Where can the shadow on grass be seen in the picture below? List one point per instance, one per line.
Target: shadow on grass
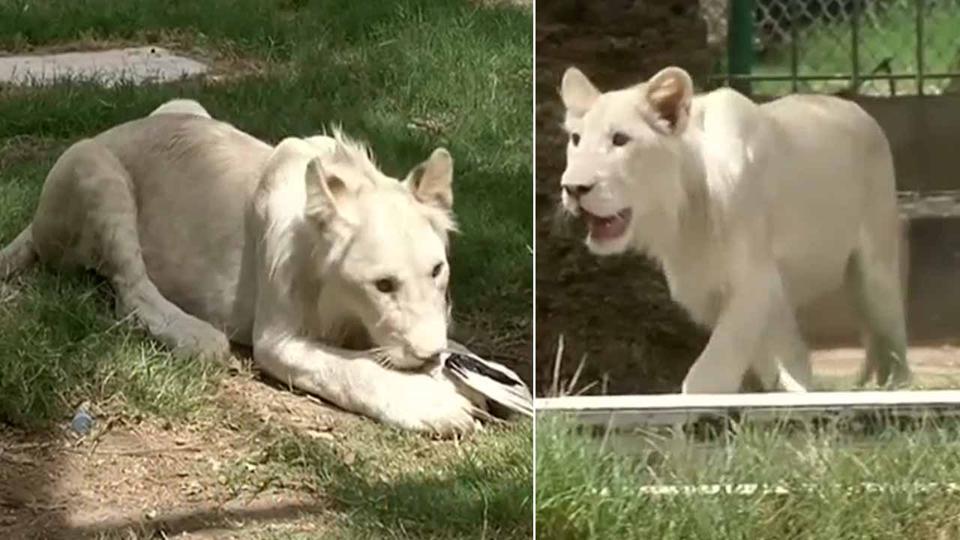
(484, 490)
(400, 507)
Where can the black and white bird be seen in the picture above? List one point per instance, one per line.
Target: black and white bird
(505, 392)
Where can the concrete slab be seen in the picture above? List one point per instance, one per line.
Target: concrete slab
(136, 65)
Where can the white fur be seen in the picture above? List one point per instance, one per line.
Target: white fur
(181, 106)
(752, 210)
(230, 239)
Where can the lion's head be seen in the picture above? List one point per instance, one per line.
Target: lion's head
(624, 158)
(382, 254)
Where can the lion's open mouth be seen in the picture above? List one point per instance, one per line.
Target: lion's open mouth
(608, 227)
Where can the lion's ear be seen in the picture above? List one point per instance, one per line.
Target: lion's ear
(577, 92)
(669, 94)
(325, 192)
(431, 182)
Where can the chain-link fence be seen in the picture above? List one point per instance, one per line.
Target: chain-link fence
(871, 47)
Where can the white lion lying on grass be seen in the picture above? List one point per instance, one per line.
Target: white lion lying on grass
(335, 273)
(752, 210)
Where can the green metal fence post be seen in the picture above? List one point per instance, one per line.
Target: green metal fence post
(740, 44)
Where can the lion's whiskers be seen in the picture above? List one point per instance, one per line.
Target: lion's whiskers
(382, 356)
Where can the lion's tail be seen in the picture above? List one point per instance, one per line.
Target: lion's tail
(18, 255)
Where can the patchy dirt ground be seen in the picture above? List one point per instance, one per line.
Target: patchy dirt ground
(136, 476)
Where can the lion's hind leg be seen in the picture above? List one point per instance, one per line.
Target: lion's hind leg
(87, 217)
(18, 255)
(873, 276)
(875, 287)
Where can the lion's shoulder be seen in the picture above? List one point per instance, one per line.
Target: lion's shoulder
(727, 113)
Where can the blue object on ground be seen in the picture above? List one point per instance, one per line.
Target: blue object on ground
(82, 422)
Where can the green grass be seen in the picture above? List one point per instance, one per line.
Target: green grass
(824, 49)
(405, 76)
(588, 488)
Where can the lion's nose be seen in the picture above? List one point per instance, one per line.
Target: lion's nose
(433, 358)
(577, 190)
(428, 354)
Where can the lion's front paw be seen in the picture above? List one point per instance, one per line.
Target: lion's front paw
(202, 340)
(430, 403)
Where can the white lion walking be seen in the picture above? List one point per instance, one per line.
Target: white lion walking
(752, 211)
(335, 273)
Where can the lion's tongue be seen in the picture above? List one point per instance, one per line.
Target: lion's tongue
(606, 228)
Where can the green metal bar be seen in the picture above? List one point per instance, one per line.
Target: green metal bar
(794, 46)
(920, 76)
(740, 43)
(855, 46)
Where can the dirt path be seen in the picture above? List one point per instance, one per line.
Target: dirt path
(933, 366)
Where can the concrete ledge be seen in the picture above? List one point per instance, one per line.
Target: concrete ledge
(134, 65)
(636, 411)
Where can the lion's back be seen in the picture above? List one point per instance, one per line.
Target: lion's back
(193, 178)
(832, 178)
(819, 118)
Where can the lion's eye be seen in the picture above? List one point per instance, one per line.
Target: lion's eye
(575, 138)
(436, 270)
(620, 139)
(386, 285)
